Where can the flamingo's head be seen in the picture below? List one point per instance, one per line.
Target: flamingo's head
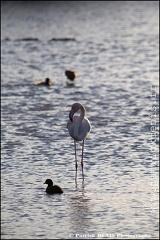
(74, 109)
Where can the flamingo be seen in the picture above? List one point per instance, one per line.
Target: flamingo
(78, 127)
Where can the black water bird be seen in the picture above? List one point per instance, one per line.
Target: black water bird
(47, 82)
(70, 75)
(52, 189)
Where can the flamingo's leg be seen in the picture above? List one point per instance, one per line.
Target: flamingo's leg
(76, 164)
(82, 159)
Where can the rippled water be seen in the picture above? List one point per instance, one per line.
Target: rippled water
(113, 46)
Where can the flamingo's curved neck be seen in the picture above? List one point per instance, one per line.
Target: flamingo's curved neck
(81, 114)
(78, 123)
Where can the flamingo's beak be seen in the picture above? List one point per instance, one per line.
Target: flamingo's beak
(71, 115)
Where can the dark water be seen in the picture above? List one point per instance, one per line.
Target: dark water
(113, 46)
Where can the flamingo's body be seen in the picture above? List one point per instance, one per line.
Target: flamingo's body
(78, 127)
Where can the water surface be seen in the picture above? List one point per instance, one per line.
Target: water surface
(113, 46)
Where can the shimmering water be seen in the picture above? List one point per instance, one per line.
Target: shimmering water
(113, 46)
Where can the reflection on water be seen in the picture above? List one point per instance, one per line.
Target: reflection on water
(113, 48)
(80, 212)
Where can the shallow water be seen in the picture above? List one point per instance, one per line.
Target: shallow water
(113, 46)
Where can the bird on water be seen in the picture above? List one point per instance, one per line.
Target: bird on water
(70, 77)
(52, 189)
(78, 127)
(47, 82)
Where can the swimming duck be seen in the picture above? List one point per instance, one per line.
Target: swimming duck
(70, 76)
(47, 82)
(52, 189)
